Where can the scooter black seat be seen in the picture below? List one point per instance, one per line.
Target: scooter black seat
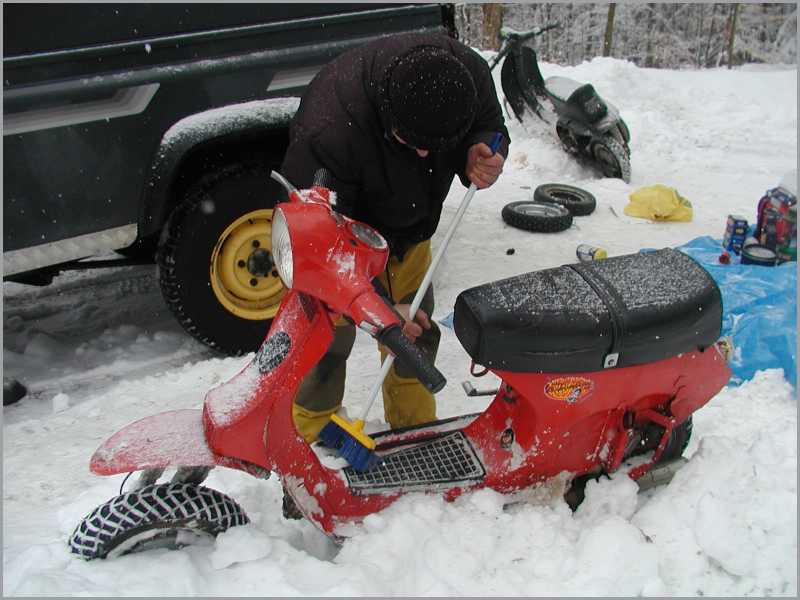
(618, 312)
(562, 87)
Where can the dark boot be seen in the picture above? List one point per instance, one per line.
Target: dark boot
(13, 391)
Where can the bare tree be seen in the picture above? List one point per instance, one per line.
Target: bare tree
(660, 35)
(732, 33)
(492, 22)
(651, 18)
(609, 36)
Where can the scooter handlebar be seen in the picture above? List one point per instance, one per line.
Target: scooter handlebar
(412, 357)
(522, 36)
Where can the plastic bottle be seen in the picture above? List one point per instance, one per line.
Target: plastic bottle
(787, 249)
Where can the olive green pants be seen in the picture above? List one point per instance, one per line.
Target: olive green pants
(405, 400)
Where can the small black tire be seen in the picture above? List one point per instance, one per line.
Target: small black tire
(612, 158)
(154, 516)
(198, 254)
(577, 201)
(677, 442)
(13, 391)
(537, 216)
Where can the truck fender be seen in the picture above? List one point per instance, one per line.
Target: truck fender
(189, 132)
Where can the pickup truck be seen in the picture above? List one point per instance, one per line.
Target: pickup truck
(147, 132)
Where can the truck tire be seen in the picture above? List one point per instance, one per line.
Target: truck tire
(577, 201)
(537, 216)
(214, 258)
(154, 517)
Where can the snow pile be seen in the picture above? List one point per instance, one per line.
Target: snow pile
(725, 526)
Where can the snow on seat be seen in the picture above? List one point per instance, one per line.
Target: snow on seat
(635, 308)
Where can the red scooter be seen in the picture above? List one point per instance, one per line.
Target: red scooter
(601, 365)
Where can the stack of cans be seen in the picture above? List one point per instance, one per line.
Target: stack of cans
(735, 233)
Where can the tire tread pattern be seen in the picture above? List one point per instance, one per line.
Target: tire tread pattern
(172, 237)
(622, 156)
(155, 507)
(536, 223)
(678, 441)
(576, 200)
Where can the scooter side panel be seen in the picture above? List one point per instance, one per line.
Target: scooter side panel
(546, 423)
(237, 413)
(525, 440)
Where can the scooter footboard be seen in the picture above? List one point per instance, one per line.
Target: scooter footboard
(173, 438)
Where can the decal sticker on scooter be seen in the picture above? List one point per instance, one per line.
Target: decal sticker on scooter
(273, 351)
(569, 389)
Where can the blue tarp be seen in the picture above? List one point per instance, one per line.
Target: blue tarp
(759, 310)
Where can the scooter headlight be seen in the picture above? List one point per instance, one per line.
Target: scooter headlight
(282, 248)
(595, 108)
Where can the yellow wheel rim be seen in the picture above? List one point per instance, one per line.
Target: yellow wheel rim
(242, 272)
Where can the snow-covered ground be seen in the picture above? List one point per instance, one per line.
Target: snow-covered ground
(99, 350)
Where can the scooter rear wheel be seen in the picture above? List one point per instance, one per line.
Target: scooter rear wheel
(677, 442)
(537, 216)
(577, 201)
(157, 516)
(612, 158)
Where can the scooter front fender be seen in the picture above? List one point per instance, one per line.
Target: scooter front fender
(172, 438)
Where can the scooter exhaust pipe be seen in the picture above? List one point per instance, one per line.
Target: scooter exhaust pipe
(660, 474)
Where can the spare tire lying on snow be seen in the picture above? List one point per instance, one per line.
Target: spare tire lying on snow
(537, 216)
(577, 201)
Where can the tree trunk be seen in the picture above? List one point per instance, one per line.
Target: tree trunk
(650, 60)
(705, 61)
(492, 22)
(608, 38)
(732, 34)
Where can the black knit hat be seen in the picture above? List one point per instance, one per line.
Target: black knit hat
(429, 98)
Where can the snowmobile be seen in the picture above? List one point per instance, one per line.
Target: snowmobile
(589, 126)
(600, 364)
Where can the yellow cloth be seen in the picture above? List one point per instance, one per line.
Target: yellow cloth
(659, 203)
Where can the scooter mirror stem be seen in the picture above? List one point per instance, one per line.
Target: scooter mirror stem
(283, 181)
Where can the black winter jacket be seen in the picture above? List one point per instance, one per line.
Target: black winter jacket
(376, 179)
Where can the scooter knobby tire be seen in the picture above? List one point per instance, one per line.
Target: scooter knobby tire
(537, 216)
(211, 222)
(678, 441)
(674, 448)
(153, 517)
(577, 201)
(612, 158)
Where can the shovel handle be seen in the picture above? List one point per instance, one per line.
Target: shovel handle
(498, 137)
(426, 281)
